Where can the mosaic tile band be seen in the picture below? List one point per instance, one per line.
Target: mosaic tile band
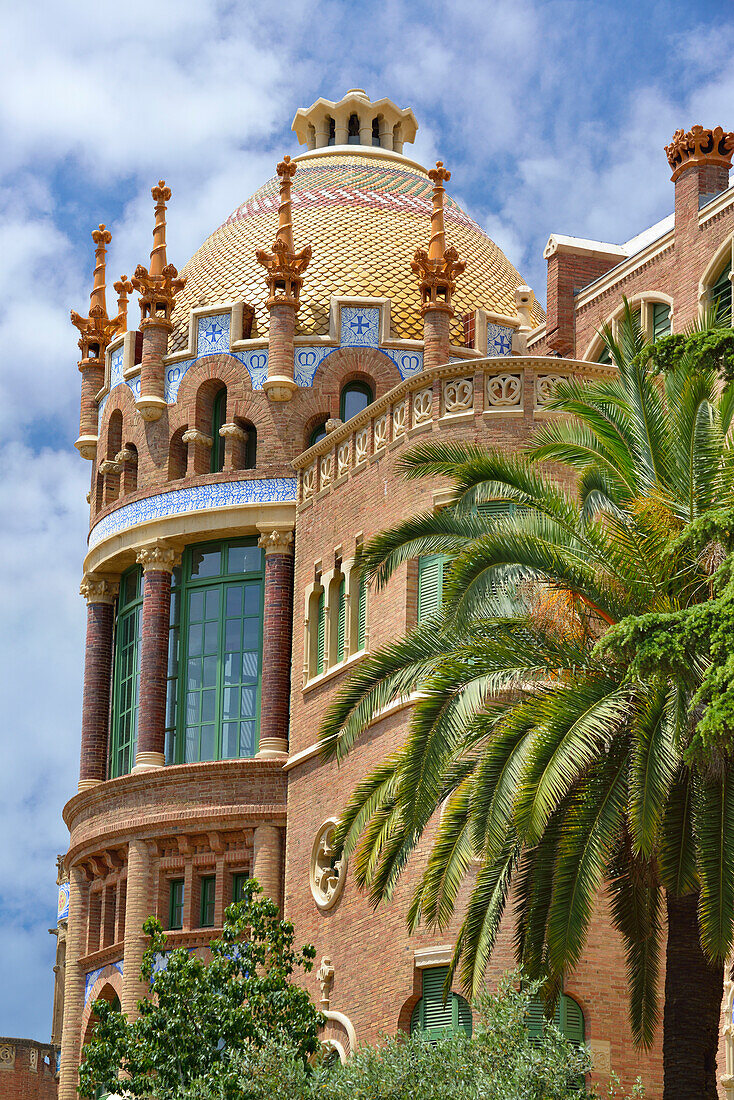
(195, 498)
(92, 976)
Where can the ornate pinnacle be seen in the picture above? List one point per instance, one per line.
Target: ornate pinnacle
(284, 265)
(97, 329)
(122, 288)
(439, 266)
(699, 146)
(159, 285)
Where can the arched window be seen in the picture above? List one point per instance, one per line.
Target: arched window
(353, 131)
(720, 294)
(219, 418)
(177, 456)
(251, 447)
(317, 434)
(376, 131)
(332, 132)
(568, 1018)
(355, 397)
(126, 689)
(432, 1016)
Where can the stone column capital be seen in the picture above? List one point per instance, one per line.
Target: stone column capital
(233, 431)
(158, 556)
(276, 542)
(193, 435)
(98, 588)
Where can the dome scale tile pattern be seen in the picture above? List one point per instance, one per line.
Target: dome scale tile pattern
(364, 217)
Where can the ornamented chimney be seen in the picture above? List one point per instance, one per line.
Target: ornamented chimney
(122, 288)
(158, 287)
(437, 269)
(284, 278)
(96, 332)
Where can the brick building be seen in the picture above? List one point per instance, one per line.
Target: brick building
(242, 442)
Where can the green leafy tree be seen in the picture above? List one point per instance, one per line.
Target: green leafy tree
(201, 1011)
(563, 765)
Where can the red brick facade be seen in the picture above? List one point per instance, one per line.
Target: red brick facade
(27, 1070)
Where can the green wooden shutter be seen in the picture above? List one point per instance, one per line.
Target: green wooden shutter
(493, 508)
(321, 633)
(341, 621)
(434, 1017)
(535, 1019)
(430, 585)
(570, 1019)
(721, 295)
(362, 613)
(660, 320)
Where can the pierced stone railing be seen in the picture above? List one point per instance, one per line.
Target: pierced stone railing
(453, 393)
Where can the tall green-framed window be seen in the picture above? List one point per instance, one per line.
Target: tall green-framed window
(174, 645)
(660, 320)
(568, 1018)
(362, 613)
(604, 356)
(355, 397)
(341, 619)
(207, 885)
(432, 1016)
(431, 569)
(320, 633)
(126, 690)
(219, 416)
(220, 652)
(720, 295)
(175, 903)
(238, 885)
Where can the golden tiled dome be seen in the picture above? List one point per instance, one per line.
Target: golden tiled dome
(364, 215)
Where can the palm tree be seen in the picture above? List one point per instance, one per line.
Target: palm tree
(560, 769)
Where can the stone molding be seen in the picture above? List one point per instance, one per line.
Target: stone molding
(193, 435)
(433, 956)
(158, 556)
(97, 588)
(276, 542)
(326, 880)
(109, 466)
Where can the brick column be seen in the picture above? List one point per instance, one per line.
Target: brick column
(152, 402)
(235, 446)
(277, 640)
(71, 1038)
(100, 593)
(158, 562)
(279, 385)
(198, 452)
(138, 907)
(92, 372)
(436, 337)
(267, 861)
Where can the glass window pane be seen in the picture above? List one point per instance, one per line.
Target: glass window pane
(191, 751)
(208, 699)
(206, 751)
(211, 637)
(232, 634)
(234, 600)
(230, 706)
(232, 668)
(212, 603)
(247, 738)
(210, 672)
(251, 634)
(252, 599)
(192, 707)
(244, 559)
(250, 666)
(206, 563)
(230, 740)
(196, 607)
(193, 674)
(249, 702)
(195, 639)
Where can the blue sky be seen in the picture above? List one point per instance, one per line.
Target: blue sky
(551, 115)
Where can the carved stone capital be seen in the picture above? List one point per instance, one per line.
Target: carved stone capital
(126, 455)
(158, 556)
(109, 467)
(193, 435)
(233, 431)
(332, 424)
(97, 588)
(276, 542)
(86, 445)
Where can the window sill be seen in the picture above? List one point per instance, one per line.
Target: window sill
(330, 673)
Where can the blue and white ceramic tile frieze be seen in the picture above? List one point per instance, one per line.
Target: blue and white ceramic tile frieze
(360, 328)
(63, 910)
(93, 975)
(307, 362)
(212, 333)
(116, 360)
(499, 340)
(195, 498)
(256, 362)
(407, 362)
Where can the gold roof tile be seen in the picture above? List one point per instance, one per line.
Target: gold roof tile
(364, 217)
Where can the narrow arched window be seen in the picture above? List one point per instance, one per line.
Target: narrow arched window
(332, 132)
(433, 1016)
(219, 417)
(251, 447)
(353, 131)
(720, 296)
(317, 434)
(355, 397)
(375, 131)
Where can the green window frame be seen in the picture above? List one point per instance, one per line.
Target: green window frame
(320, 633)
(431, 572)
(354, 398)
(605, 356)
(720, 295)
(220, 652)
(362, 613)
(317, 434)
(567, 1016)
(175, 903)
(660, 320)
(341, 621)
(126, 673)
(238, 885)
(219, 414)
(433, 1017)
(207, 894)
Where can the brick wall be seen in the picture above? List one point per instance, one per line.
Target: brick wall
(27, 1070)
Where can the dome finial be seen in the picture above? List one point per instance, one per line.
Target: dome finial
(122, 287)
(159, 285)
(284, 265)
(357, 121)
(97, 329)
(439, 266)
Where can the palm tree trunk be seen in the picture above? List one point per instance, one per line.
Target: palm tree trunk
(694, 988)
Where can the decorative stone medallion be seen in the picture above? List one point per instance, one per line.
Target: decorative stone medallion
(326, 874)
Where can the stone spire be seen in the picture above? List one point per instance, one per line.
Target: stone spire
(159, 284)
(437, 270)
(284, 278)
(284, 265)
(122, 287)
(96, 331)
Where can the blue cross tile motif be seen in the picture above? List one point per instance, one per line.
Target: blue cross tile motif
(213, 334)
(499, 340)
(116, 368)
(360, 328)
(195, 498)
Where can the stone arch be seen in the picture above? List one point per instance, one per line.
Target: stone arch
(638, 300)
(114, 434)
(177, 455)
(355, 364)
(106, 987)
(408, 1006)
(724, 253)
(223, 368)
